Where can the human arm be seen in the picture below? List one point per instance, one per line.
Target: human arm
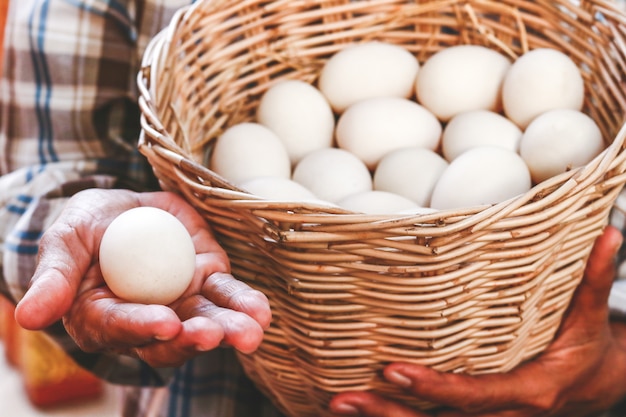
(581, 373)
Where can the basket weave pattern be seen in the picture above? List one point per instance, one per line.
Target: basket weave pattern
(474, 290)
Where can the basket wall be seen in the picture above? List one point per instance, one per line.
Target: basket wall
(474, 290)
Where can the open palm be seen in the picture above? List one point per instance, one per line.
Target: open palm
(216, 309)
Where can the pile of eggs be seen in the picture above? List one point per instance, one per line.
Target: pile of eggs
(380, 133)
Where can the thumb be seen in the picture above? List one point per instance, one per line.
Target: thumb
(63, 261)
(46, 301)
(591, 297)
(470, 393)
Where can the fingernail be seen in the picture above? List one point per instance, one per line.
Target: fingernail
(399, 379)
(346, 410)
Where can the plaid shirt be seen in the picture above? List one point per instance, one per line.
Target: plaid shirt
(69, 121)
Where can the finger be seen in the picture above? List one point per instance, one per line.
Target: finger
(98, 321)
(592, 294)
(225, 291)
(198, 335)
(588, 312)
(240, 330)
(368, 404)
(464, 392)
(63, 259)
(507, 413)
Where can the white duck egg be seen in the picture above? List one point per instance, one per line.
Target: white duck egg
(479, 176)
(377, 202)
(461, 78)
(277, 188)
(249, 150)
(332, 174)
(374, 127)
(367, 70)
(300, 116)
(410, 172)
(559, 140)
(478, 128)
(147, 256)
(540, 80)
(419, 210)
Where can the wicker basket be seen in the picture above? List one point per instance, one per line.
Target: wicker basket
(474, 290)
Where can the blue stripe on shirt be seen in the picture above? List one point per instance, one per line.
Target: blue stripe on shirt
(192, 381)
(33, 171)
(28, 242)
(15, 209)
(25, 198)
(43, 89)
(23, 248)
(28, 235)
(182, 390)
(115, 9)
(105, 8)
(20, 209)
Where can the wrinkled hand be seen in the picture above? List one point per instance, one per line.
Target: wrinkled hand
(582, 372)
(215, 310)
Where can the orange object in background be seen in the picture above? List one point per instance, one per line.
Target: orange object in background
(4, 6)
(9, 332)
(3, 325)
(50, 377)
(4, 303)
